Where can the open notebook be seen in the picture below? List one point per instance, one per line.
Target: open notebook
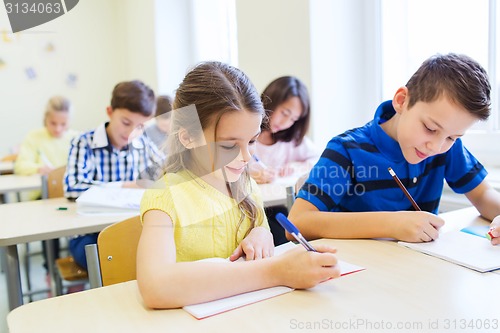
(207, 309)
(101, 200)
(462, 248)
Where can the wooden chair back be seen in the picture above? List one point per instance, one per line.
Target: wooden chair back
(53, 183)
(117, 247)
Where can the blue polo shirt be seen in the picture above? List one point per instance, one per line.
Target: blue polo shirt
(352, 175)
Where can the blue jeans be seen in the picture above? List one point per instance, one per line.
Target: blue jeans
(77, 248)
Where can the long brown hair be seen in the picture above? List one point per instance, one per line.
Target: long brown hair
(278, 92)
(214, 89)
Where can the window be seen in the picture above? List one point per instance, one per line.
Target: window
(413, 30)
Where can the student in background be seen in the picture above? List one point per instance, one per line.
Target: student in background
(108, 154)
(46, 148)
(283, 148)
(350, 193)
(159, 130)
(208, 205)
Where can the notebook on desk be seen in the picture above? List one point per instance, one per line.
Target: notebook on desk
(207, 309)
(99, 200)
(462, 248)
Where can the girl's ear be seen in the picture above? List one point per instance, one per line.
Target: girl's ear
(185, 139)
(400, 100)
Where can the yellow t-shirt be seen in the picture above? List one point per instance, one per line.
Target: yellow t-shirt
(205, 220)
(40, 148)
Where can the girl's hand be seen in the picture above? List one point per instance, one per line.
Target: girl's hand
(495, 231)
(287, 171)
(258, 244)
(417, 227)
(45, 170)
(263, 176)
(303, 269)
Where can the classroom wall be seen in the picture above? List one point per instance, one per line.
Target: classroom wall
(99, 43)
(328, 44)
(273, 40)
(344, 66)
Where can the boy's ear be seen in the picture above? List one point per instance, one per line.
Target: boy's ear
(186, 139)
(109, 111)
(400, 99)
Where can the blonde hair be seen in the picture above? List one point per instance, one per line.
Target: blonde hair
(214, 88)
(57, 104)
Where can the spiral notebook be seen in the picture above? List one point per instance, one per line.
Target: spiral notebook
(207, 309)
(463, 249)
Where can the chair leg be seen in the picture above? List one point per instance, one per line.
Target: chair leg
(27, 270)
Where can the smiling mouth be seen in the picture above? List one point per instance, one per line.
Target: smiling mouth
(236, 170)
(420, 154)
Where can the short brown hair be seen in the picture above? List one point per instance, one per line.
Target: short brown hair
(134, 96)
(458, 77)
(163, 105)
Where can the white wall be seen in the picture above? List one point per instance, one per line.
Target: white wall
(101, 41)
(328, 44)
(273, 40)
(343, 66)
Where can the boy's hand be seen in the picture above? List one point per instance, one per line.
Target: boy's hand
(303, 269)
(417, 227)
(257, 245)
(495, 231)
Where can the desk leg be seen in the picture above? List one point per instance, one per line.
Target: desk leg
(14, 288)
(55, 285)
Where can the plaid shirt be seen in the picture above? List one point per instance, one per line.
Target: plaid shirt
(93, 160)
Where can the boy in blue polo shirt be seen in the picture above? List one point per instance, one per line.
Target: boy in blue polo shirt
(350, 193)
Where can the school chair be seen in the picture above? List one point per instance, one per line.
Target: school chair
(113, 259)
(291, 191)
(66, 268)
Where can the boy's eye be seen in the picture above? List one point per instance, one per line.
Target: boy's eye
(252, 142)
(428, 129)
(452, 139)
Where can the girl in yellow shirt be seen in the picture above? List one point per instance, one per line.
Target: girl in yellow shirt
(46, 148)
(206, 205)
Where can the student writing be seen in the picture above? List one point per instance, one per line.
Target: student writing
(108, 154)
(206, 205)
(47, 148)
(283, 146)
(350, 193)
(159, 130)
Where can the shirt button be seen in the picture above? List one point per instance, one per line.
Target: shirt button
(414, 180)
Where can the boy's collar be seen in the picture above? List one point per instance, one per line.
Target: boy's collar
(101, 140)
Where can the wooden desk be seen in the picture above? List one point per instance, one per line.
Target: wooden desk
(398, 287)
(6, 168)
(15, 183)
(38, 220)
(274, 194)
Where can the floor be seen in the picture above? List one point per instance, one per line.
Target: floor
(38, 282)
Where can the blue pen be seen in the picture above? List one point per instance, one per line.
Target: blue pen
(291, 229)
(259, 161)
